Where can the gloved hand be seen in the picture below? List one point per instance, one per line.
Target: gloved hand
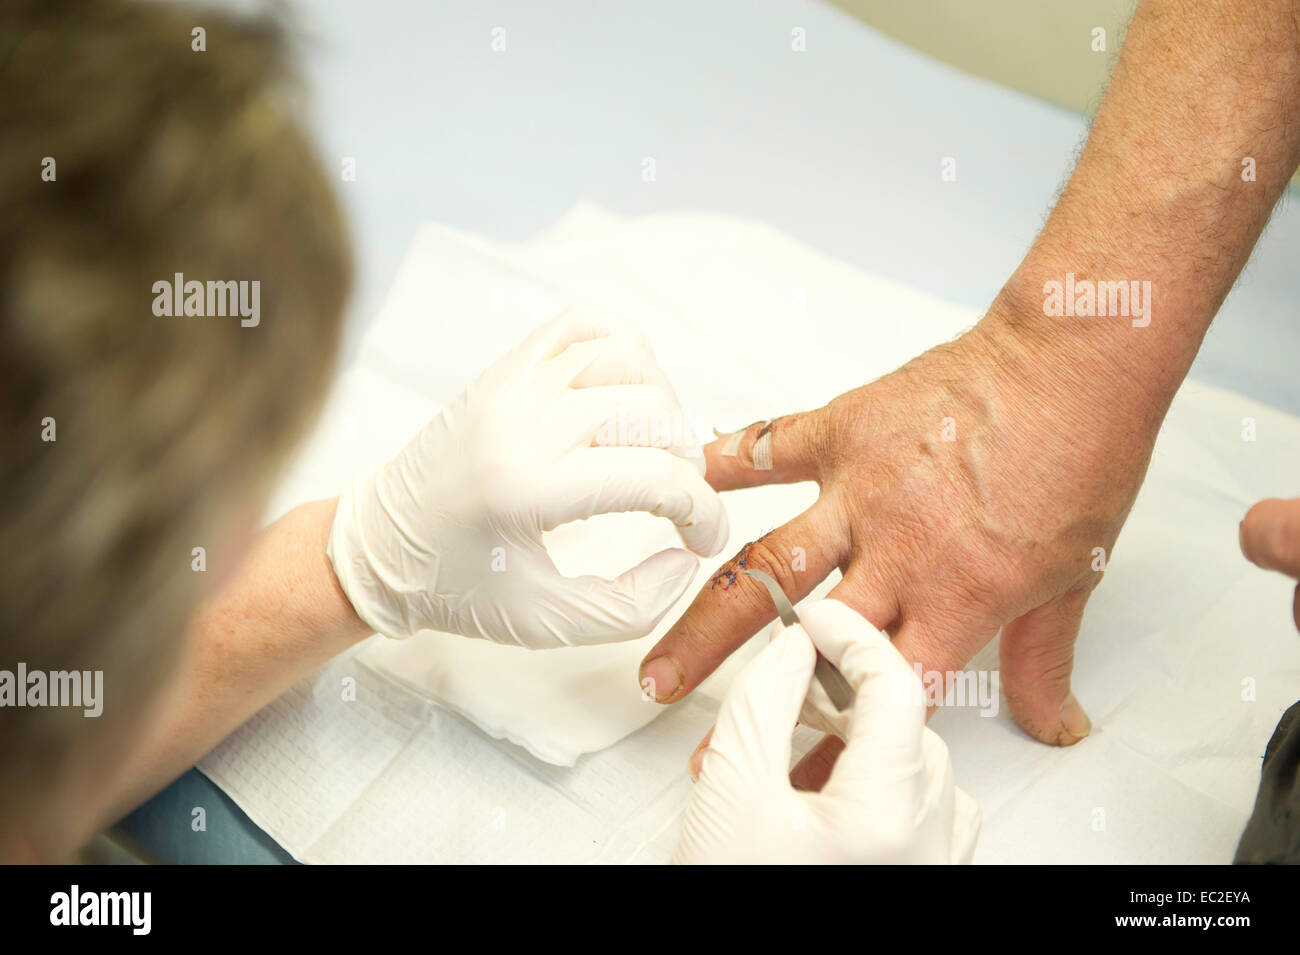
(890, 797)
(448, 535)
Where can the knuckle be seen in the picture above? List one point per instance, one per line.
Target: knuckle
(820, 438)
(972, 588)
(763, 555)
(730, 583)
(1051, 666)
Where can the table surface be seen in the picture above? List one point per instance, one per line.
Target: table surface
(839, 145)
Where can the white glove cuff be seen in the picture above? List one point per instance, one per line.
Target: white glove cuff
(355, 566)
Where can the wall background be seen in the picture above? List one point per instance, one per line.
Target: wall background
(1043, 48)
(1040, 47)
(838, 146)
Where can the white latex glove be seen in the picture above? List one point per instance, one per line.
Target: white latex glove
(890, 797)
(448, 535)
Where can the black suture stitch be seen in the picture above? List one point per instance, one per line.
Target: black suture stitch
(730, 572)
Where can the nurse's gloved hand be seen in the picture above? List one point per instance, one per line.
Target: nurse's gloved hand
(890, 797)
(448, 535)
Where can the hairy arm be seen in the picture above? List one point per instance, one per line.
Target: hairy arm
(280, 616)
(1194, 143)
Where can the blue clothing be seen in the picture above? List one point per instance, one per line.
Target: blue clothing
(163, 828)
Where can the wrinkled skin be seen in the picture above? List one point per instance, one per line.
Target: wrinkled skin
(960, 495)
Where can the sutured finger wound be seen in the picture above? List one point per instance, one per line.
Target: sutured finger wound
(757, 554)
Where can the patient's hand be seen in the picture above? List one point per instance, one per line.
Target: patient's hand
(1270, 537)
(1054, 414)
(966, 492)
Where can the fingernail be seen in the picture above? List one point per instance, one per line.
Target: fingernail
(661, 678)
(1073, 718)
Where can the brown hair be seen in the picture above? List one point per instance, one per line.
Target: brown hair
(128, 156)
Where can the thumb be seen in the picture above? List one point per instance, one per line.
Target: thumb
(752, 735)
(886, 724)
(1037, 656)
(592, 609)
(781, 451)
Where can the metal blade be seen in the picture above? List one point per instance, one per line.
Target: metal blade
(831, 679)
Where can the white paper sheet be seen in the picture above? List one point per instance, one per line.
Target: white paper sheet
(1186, 660)
(561, 704)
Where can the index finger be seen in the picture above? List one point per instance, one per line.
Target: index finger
(732, 607)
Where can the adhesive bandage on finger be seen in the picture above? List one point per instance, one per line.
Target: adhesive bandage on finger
(763, 449)
(762, 453)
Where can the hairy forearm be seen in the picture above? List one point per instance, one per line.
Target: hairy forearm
(1205, 93)
(280, 616)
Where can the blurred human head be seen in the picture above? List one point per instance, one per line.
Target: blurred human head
(142, 143)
